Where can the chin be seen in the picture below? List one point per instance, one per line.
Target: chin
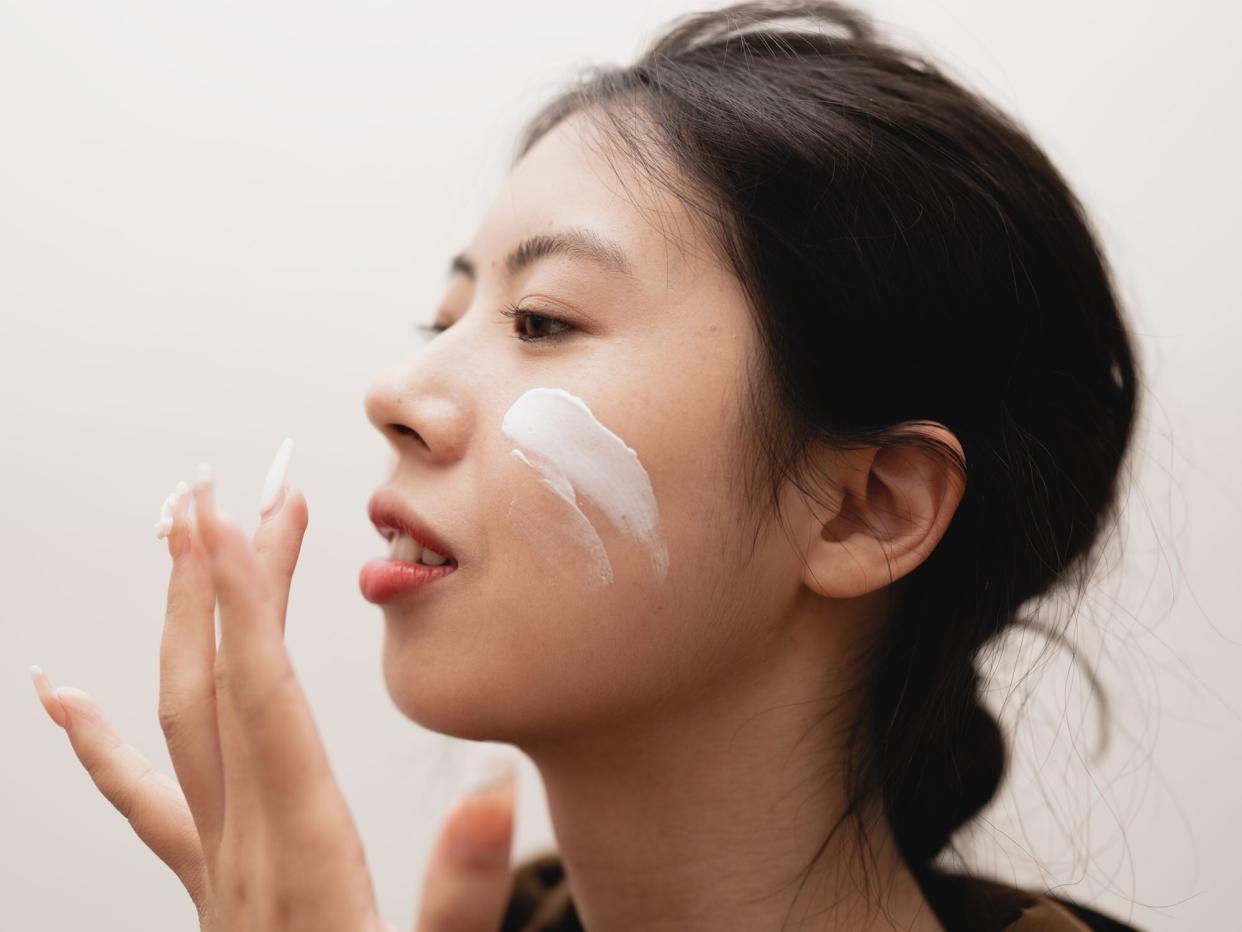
(454, 699)
(474, 704)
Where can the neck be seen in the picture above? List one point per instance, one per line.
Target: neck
(706, 815)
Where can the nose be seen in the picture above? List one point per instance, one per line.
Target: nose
(419, 419)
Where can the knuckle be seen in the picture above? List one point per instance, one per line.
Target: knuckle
(130, 803)
(171, 717)
(238, 891)
(176, 603)
(220, 676)
(284, 907)
(237, 899)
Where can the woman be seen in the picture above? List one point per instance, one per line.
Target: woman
(780, 375)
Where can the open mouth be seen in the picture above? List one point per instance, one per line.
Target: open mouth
(416, 556)
(402, 548)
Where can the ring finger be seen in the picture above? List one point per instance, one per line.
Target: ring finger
(187, 704)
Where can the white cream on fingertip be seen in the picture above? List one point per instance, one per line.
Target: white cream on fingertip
(163, 527)
(275, 475)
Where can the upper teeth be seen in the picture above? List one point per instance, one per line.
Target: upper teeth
(405, 549)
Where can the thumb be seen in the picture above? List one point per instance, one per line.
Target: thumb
(468, 882)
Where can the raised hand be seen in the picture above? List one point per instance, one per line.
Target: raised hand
(255, 826)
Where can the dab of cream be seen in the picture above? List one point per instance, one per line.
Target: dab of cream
(577, 455)
(163, 527)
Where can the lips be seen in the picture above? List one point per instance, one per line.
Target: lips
(390, 515)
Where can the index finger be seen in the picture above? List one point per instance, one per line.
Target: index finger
(187, 705)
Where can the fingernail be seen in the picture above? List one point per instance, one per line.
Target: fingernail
(488, 771)
(477, 838)
(51, 702)
(273, 495)
(202, 476)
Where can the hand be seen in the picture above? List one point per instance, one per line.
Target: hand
(255, 826)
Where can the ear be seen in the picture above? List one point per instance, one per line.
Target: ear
(895, 504)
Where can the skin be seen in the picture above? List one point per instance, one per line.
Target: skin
(255, 826)
(686, 728)
(662, 714)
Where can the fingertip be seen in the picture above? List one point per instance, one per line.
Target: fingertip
(73, 699)
(270, 505)
(274, 485)
(295, 501)
(204, 505)
(56, 710)
(180, 536)
(480, 829)
(490, 770)
(47, 696)
(203, 476)
(295, 511)
(164, 526)
(489, 796)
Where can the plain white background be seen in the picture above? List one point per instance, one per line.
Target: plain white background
(218, 223)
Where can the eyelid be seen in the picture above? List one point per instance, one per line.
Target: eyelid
(512, 312)
(518, 313)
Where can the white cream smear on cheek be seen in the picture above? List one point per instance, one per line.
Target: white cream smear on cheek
(528, 511)
(577, 455)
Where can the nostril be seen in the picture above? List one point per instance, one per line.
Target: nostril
(401, 431)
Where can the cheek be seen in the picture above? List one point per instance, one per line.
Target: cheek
(558, 535)
(574, 615)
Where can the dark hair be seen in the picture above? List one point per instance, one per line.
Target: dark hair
(868, 202)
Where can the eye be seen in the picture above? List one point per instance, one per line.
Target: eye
(525, 317)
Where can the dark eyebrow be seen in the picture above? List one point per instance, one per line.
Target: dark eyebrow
(576, 242)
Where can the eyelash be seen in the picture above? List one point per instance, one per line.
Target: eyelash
(513, 312)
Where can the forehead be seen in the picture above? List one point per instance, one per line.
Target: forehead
(573, 177)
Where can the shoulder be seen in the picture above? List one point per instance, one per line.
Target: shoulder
(1046, 914)
(966, 901)
(1047, 910)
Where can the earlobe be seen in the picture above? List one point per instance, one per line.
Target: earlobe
(895, 505)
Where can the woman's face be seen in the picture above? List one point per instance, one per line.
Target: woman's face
(588, 483)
